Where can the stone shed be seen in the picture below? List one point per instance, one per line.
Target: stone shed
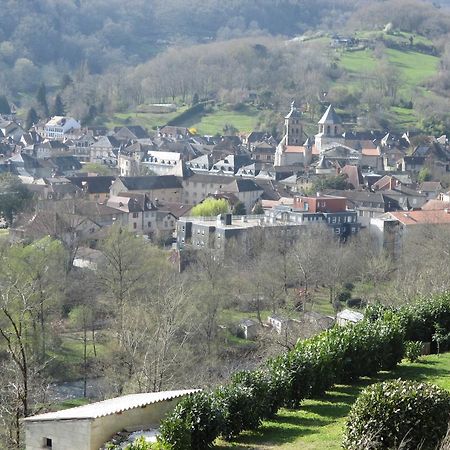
(88, 427)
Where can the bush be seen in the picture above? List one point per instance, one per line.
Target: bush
(397, 412)
(413, 350)
(236, 403)
(349, 286)
(355, 303)
(343, 296)
(266, 402)
(194, 423)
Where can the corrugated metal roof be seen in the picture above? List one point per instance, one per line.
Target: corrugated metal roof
(111, 406)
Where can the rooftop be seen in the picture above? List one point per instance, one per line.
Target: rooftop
(111, 406)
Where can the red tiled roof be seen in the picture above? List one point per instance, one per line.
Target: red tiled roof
(370, 151)
(436, 217)
(433, 205)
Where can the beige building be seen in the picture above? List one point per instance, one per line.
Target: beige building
(89, 427)
(165, 188)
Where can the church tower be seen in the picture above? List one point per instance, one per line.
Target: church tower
(330, 130)
(293, 128)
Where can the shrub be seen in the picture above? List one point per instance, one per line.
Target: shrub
(355, 303)
(265, 399)
(349, 286)
(194, 423)
(236, 403)
(413, 350)
(343, 296)
(396, 412)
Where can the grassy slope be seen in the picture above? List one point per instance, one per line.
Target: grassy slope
(146, 119)
(319, 423)
(414, 69)
(213, 123)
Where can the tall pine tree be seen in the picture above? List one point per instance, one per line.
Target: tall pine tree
(4, 105)
(41, 98)
(32, 118)
(58, 107)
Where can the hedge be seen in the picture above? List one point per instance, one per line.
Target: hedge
(340, 355)
(398, 414)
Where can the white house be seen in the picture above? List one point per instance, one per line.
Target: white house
(88, 427)
(59, 127)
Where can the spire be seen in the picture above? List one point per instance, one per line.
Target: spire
(330, 117)
(294, 112)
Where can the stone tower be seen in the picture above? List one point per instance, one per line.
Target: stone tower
(293, 128)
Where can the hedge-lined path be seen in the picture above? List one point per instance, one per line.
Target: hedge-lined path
(319, 423)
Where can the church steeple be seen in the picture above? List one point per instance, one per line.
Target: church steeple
(330, 124)
(330, 129)
(293, 128)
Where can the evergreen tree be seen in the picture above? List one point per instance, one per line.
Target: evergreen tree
(258, 209)
(66, 81)
(58, 107)
(41, 98)
(4, 105)
(239, 209)
(32, 118)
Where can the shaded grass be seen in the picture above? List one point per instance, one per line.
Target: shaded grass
(66, 362)
(319, 424)
(147, 120)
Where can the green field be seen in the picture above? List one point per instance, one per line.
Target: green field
(210, 123)
(319, 423)
(213, 123)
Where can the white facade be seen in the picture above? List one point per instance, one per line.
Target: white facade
(57, 127)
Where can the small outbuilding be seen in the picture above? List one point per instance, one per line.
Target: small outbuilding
(348, 317)
(88, 427)
(248, 328)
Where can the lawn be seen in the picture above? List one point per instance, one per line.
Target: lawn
(214, 122)
(319, 423)
(210, 123)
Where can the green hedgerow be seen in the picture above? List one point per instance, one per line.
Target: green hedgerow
(194, 423)
(387, 415)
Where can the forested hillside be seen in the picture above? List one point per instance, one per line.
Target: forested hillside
(108, 57)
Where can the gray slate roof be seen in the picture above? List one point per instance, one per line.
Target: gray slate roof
(330, 117)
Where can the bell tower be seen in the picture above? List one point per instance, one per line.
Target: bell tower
(293, 128)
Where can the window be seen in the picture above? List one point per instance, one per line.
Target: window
(135, 215)
(134, 225)
(48, 443)
(149, 224)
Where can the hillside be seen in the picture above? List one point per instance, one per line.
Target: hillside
(384, 77)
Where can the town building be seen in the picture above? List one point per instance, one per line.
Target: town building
(59, 127)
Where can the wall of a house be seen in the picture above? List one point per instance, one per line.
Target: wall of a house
(135, 419)
(65, 435)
